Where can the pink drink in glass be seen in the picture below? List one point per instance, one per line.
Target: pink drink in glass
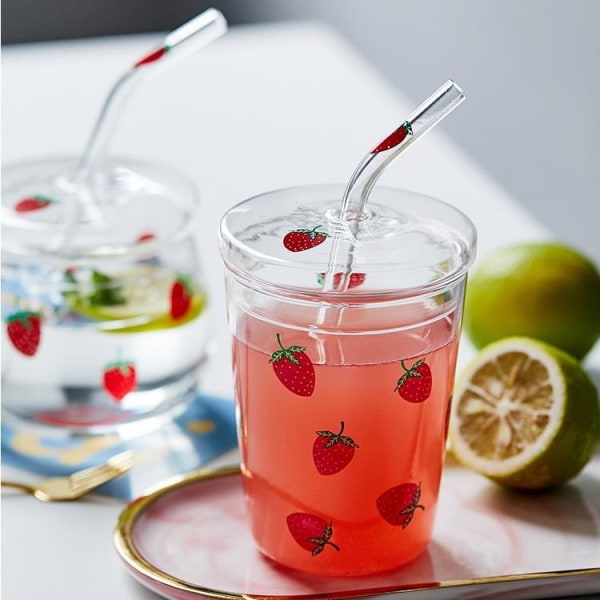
(343, 406)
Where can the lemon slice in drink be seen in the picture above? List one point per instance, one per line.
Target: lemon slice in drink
(141, 291)
(525, 414)
(138, 299)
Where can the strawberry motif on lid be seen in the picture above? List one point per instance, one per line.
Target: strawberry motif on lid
(146, 236)
(356, 279)
(32, 204)
(300, 240)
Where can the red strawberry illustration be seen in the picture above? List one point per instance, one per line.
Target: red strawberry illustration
(119, 378)
(398, 504)
(356, 279)
(294, 369)
(394, 138)
(333, 451)
(415, 383)
(181, 297)
(32, 203)
(152, 56)
(311, 532)
(147, 236)
(24, 331)
(304, 239)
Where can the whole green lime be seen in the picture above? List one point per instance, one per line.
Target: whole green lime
(546, 291)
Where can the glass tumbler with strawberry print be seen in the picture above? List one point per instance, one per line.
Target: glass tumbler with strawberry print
(104, 305)
(344, 395)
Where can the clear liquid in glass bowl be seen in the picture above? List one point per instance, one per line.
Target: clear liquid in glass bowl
(104, 307)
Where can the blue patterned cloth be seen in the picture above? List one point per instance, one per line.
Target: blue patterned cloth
(205, 431)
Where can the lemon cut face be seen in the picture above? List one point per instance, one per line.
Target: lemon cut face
(525, 414)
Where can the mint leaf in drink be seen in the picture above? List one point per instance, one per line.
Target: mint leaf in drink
(106, 292)
(70, 293)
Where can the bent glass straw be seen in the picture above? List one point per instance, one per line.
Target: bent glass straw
(186, 39)
(439, 105)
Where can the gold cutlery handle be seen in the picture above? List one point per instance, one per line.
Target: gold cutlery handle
(19, 486)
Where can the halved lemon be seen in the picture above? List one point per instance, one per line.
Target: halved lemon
(525, 414)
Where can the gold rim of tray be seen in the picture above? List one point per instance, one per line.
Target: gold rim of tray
(123, 539)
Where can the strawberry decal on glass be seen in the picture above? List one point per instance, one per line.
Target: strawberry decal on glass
(32, 204)
(395, 138)
(311, 532)
(356, 279)
(152, 56)
(332, 452)
(24, 330)
(294, 369)
(119, 378)
(304, 239)
(181, 297)
(147, 236)
(415, 383)
(398, 504)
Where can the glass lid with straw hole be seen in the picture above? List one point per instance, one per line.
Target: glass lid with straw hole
(123, 207)
(329, 239)
(95, 205)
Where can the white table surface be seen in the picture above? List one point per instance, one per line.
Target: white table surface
(264, 107)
